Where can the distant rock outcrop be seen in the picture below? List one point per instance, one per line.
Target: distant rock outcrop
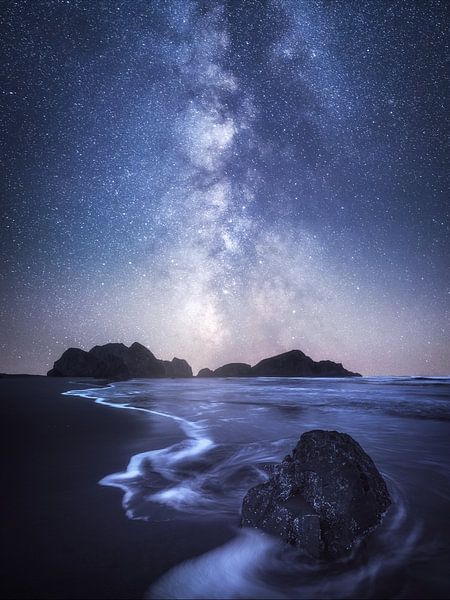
(205, 373)
(117, 361)
(322, 498)
(75, 363)
(177, 367)
(289, 364)
(297, 364)
(233, 370)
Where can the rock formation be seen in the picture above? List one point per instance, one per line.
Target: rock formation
(177, 367)
(205, 373)
(289, 364)
(116, 361)
(75, 362)
(233, 370)
(297, 364)
(322, 498)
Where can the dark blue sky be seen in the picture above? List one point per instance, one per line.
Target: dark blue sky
(226, 180)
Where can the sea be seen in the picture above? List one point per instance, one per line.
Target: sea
(215, 439)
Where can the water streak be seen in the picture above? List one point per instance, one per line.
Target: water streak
(232, 430)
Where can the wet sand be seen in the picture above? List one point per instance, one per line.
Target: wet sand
(65, 536)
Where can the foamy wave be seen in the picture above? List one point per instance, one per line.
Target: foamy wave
(194, 476)
(256, 565)
(234, 570)
(163, 461)
(208, 472)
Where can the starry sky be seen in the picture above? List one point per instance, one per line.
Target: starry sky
(224, 181)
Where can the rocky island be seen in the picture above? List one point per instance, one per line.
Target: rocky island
(117, 361)
(294, 363)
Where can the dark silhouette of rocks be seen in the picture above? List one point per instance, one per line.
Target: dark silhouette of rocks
(289, 364)
(117, 361)
(322, 498)
(75, 363)
(233, 370)
(177, 367)
(205, 373)
(297, 364)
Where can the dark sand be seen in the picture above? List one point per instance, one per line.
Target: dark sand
(65, 536)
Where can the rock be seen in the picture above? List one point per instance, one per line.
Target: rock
(289, 364)
(233, 370)
(143, 363)
(297, 364)
(322, 498)
(328, 368)
(205, 373)
(177, 367)
(111, 361)
(75, 363)
(116, 361)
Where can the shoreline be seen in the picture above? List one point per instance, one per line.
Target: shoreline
(64, 535)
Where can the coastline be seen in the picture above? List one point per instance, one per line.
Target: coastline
(66, 536)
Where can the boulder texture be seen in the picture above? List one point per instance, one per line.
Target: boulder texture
(117, 361)
(322, 498)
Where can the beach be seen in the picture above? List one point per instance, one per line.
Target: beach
(64, 535)
(133, 489)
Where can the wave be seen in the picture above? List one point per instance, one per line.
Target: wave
(256, 565)
(194, 476)
(228, 447)
(138, 474)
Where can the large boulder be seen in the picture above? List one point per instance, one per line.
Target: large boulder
(233, 370)
(296, 363)
(322, 498)
(177, 368)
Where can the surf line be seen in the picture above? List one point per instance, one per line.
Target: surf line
(161, 459)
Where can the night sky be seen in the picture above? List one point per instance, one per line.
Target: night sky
(224, 181)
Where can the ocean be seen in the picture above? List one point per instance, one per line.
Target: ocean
(215, 439)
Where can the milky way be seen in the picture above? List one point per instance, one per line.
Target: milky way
(226, 180)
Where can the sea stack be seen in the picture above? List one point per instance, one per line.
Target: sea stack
(177, 368)
(294, 363)
(117, 361)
